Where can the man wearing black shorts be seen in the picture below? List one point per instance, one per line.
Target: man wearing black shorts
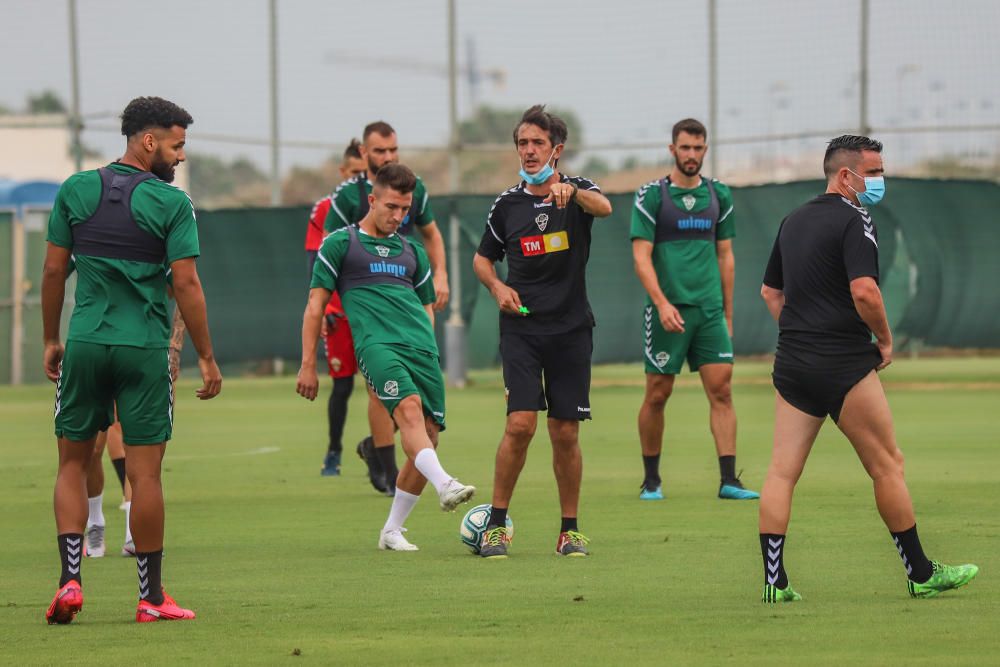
(821, 285)
(542, 226)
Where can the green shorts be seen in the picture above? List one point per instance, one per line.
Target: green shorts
(94, 378)
(705, 341)
(396, 371)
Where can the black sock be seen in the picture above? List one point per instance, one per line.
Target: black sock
(652, 466)
(727, 468)
(387, 457)
(70, 555)
(336, 411)
(568, 523)
(148, 564)
(119, 465)
(772, 548)
(498, 517)
(918, 568)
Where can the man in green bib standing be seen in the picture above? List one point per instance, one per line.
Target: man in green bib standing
(129, 235)
(682, 234)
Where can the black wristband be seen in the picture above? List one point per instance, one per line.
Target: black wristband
(576, 189)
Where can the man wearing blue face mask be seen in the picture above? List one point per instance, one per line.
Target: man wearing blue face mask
(542, 226)
(821, 286)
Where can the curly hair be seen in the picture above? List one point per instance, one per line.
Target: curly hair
(143, 113)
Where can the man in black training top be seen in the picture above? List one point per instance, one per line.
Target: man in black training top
(542, 226)
(821, 285)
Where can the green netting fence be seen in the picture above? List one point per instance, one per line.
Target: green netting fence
(938, 250)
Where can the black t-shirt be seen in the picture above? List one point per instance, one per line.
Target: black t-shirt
(547, 251)
(821, 247)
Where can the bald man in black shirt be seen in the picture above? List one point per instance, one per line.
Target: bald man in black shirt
(821, 286)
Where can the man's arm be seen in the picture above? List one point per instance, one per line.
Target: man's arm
(774, 299)
(868, 302)
(307, 384)
(53, 293)
(191, 304)
(176, 344)
(507, 298)
(642, 257)
(727, 271)
(591, 201)
(434, 244)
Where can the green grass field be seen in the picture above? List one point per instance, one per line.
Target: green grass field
(281, 564)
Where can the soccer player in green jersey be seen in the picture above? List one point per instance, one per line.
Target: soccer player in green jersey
(682, 244)
(129, 233)
(348, 205)
(387, 291)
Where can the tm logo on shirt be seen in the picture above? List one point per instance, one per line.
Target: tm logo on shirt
(544, 243)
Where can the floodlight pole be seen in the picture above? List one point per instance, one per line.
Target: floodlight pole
(713, 87)
(74, 121)
(863, 126)
(275, 170)
(454, 329)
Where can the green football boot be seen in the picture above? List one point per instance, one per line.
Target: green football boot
(774, 594)
(944, 578)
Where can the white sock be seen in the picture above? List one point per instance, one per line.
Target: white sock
(429, 466)
(128, 515)
(402, 505)
(96, 510)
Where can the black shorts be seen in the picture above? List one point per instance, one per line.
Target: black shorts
(819, 389)
(561, 361)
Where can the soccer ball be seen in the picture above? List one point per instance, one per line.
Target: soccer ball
(474, 525)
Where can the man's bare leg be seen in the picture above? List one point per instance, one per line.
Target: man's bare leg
(658, 390)
(567, 463)
(866, 420)
(409, 485)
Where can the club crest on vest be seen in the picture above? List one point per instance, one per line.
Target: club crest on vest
(688, 201)
(382, 251)
(391, 388)
(542, 220)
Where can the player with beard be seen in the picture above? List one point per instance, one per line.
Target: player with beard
(682, 244)
(348, 206)
(130, 234)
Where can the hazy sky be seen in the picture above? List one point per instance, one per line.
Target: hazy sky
(629, 69)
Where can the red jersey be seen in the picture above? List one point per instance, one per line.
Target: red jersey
(314, 232)
(314, 239)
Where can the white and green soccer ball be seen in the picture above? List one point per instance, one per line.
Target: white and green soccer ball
(474, 525)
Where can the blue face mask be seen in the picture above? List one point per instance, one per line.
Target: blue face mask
(541, 176)
(874, 189)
